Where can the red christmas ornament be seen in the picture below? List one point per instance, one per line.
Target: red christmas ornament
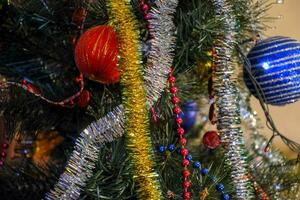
(211, 140)
(84, 99)
(96, 54)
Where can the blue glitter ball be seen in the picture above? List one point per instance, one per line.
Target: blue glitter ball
(171, 147)
(189, 114)
(196, 164)
(220, 187)
(275, 65)
(189, 157)
(161, 149)
(204, 171)
(225, 197)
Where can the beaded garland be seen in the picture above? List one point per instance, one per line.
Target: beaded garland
(196, 165)
(182, 140)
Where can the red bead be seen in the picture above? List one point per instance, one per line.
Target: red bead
(172, 79)
(179, 120)
(84, 99)
(185, 162)
(176, 110)
(1, 163)
(96, 54)
(3, 154)
(175, 100)
(186, 184)
(184, 152)
(173, 90)
(185, 173)
(147, 16)
(145, 7)
(182, 141)
(180, 131)
(5, 146)
(211, 140)
(186, 195)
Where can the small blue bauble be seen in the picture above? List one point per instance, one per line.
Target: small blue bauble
(189, 114)
(171, 147)
(275, 65)
(189, 157)
(220, 187)
(161, 149)
(196, 164)
(225, 197)
(204, 171)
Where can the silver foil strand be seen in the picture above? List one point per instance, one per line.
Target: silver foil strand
(226, 98)
(82, 161)
(161, 52)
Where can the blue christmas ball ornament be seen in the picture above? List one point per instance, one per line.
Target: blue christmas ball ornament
(189, 114)
(275, 65)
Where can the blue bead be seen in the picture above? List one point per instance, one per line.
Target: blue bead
(225, 197)
(161, 149)
(275, 65)
(220, 187)
(196, 164)
(204, 171)
(189, 157)
(171, 147)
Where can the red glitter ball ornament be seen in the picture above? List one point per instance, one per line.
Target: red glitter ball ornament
(96, 54)
(211, 140)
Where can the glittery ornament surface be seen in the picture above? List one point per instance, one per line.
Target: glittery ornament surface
(96, 54)
(138, 141)
(226, 99)
(275, 65)
(161, 53)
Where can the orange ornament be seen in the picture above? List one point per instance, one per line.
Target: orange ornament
(96, 54)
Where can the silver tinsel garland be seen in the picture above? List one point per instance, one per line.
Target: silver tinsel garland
(161, 52)
(226, 98)
(82, 161)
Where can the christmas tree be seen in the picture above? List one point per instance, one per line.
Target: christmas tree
(142, 99)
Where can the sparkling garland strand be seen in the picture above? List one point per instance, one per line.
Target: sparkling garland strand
(161, 54)
(82, 161)
(138, 140)
(228, 114)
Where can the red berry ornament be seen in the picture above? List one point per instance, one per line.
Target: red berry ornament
(96, 54)
(185, 173)
(211, 140)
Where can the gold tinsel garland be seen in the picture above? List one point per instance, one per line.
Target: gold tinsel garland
(138, 141)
